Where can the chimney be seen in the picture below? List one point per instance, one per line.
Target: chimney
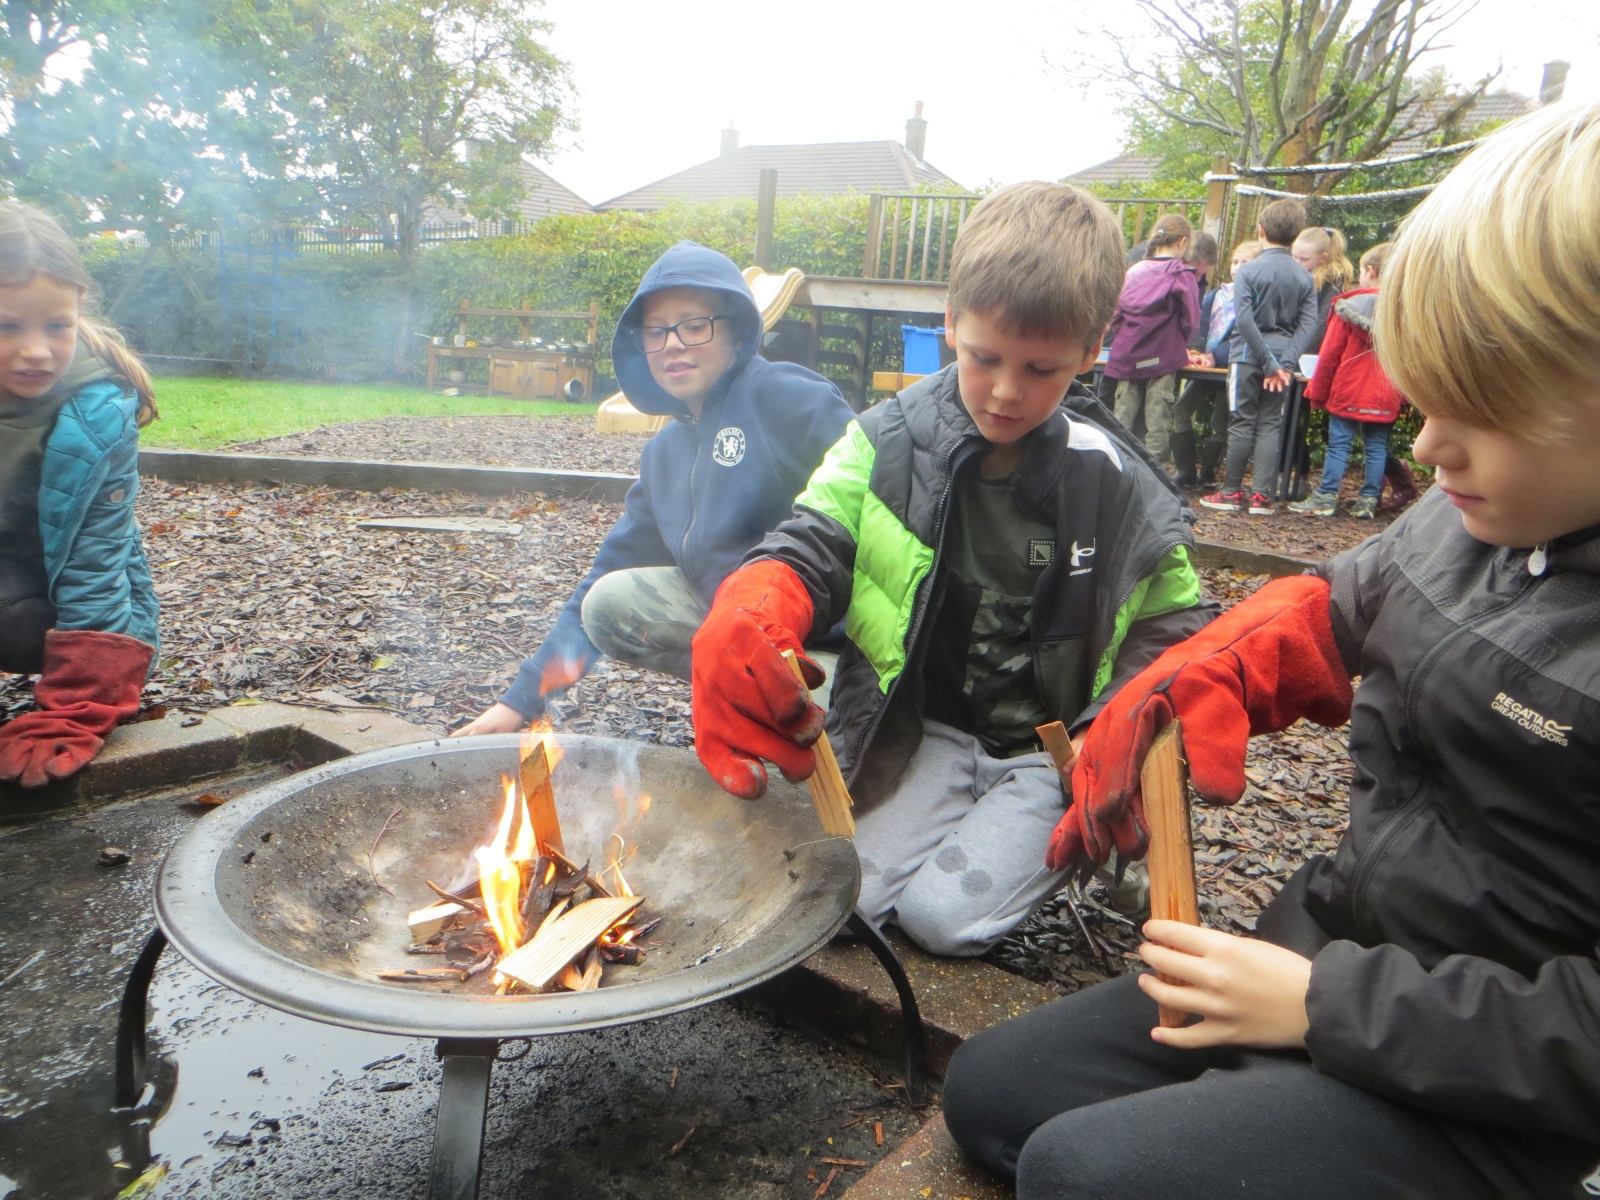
(1554, 82)
(916, 134)
(730, 139)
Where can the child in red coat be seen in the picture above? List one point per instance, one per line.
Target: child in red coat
(1359, 398)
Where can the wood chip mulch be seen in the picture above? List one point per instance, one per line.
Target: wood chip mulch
(560, 443)
(273, 593)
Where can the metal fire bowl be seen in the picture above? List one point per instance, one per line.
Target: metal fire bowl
(272, 896)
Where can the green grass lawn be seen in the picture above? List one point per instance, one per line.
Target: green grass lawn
(199, 413)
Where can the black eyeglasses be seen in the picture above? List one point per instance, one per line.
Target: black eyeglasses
(696, 331)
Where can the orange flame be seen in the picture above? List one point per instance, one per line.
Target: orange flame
(542, 733)
(500, 870)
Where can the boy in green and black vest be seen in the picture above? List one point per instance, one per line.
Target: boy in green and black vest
(1003, 554)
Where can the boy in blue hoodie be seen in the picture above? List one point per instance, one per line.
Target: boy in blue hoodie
(747, 435)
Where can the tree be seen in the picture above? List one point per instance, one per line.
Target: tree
(1278, 82)
(398, 105)
(168, 123)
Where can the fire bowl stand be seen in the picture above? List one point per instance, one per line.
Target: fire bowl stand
(467, 1063)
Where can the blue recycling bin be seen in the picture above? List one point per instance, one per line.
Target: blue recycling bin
(922, 349)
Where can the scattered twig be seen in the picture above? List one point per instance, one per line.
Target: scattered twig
(479, 967)
(877, 1133)
(36, 956)
(672, 1084)
(845, 1162)
(683, 1141)
(469, 905)
(372, 870)
(822, 1187)
(314, 668)
(1083, 928)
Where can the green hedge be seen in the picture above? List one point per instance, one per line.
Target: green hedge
(346, 314)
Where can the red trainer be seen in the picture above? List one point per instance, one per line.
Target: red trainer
(1223, 501)
(1260, 506)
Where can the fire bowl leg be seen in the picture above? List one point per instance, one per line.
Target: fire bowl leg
(463, 1107)
(916, 1038)
(131, 1022)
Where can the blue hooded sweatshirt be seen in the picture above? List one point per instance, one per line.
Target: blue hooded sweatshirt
(708, 489)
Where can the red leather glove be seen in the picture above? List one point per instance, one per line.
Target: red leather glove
(1258, 668)
(90, 682)
(747, 703)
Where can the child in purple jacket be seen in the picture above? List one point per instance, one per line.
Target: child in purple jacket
(1157, 314)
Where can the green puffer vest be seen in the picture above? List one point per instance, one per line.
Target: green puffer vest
(866, 538)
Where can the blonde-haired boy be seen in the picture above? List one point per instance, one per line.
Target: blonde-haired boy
(1429, 997)
(1002, 555)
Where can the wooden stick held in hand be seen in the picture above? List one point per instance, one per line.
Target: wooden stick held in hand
(828, 791)
(1164, 784)
(1057, 743)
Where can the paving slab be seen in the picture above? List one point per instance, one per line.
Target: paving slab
(373, 475)
(181, 748)
(929, 1166)
(844, 990)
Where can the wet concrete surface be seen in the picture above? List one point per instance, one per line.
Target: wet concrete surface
(254, 1103)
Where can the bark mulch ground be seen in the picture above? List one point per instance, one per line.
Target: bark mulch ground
(573, 444)
(273, 593)
(559, 443)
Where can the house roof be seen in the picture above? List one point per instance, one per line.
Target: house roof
(546, 196)
(1493, 107)
(822, 168)
(1124, 168)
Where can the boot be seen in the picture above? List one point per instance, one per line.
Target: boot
(1210, 459)
(1399, 484)
(1183, 463)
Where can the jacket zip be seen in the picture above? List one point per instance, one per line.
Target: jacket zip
(694, 499)
(920, 610)
(100, 471)
(1397, 822)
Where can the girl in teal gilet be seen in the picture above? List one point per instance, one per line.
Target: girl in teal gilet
(76, 603)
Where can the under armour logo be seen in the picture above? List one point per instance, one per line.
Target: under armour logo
(1079, 553)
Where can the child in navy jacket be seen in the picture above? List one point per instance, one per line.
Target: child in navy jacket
(747, 435)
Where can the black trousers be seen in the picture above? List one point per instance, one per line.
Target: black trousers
(26, 615)
(1075, 1100)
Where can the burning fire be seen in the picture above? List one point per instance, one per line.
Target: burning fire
(500, 869)
(554, 922)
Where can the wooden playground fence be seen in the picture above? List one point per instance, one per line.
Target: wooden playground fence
(910, 234)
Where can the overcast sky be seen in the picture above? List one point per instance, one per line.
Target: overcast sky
(657, 81)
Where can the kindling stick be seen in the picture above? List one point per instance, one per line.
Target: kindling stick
(1057, 744)
(828, 791)
(1164, 785)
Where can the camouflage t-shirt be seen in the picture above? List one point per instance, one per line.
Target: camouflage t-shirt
(979, 673)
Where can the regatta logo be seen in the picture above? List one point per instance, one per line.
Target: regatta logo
(1041, 552)
(1534, 723)
(728, 446)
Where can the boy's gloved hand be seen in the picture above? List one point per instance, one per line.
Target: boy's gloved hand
(747, 703)
(1258, 668)
(90, 682)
